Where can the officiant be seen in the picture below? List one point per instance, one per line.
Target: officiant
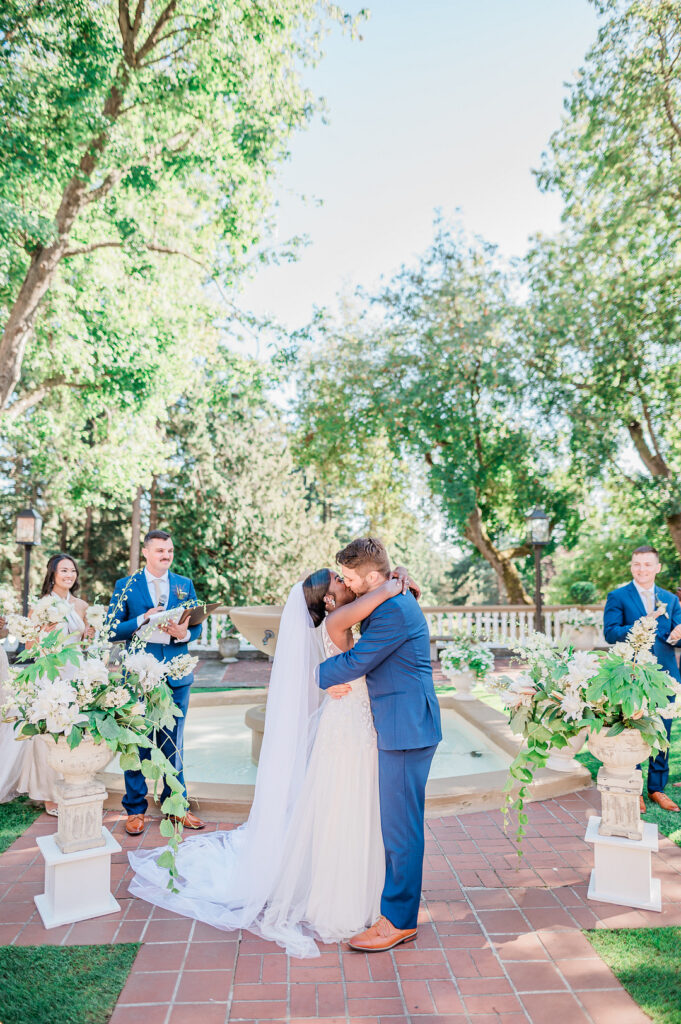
(135, 599)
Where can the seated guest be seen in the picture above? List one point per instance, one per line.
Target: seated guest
(135, 599)
(623, 608)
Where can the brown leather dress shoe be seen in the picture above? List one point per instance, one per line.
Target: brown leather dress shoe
(134, 826)
(380, 937)
(663, 801)
(189, 821)
(642, 805)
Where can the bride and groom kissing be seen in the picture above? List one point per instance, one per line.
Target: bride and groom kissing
(333, 846)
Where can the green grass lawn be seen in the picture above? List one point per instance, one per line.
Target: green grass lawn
(15, 817)
(647, 961)
(669, 823)
(62, 984)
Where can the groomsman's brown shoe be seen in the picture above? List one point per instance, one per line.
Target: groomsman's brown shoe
(381, 937)
(642, 805)
(663, 801)
(134, 826)
(189, 821)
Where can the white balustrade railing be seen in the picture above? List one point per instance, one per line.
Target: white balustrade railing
(504, 625)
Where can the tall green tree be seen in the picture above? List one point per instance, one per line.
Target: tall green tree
(438, 368)
(605, 295)
(146, 127)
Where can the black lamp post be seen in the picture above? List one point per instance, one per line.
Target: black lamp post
(538, 536)
(28, 528)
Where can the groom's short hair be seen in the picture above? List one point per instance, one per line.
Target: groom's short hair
(365, 553)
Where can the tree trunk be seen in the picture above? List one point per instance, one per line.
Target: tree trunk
(46, 258)
(509, 578)
(153, 504)
(135, 531)
(86, 535)
(63, 534)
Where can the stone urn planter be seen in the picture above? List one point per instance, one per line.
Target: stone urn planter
(255, 720)
(464, 680)
(563, 760)
(583, 638)
(228, 646)
(619, 780)
(81, 795)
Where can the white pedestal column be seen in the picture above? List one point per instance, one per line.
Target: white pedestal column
(622, 870)
(77, 885)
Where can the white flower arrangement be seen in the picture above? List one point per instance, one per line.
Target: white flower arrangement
(96, 614)
(467, 654)
(576, 618)
(564, 691)
(9, 602)
(49, 611)
(22, 628)
(148, 670)
(181, 666)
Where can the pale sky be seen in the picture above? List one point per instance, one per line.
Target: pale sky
(444, 104)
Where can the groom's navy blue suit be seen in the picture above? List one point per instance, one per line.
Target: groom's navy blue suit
(394, 655)
(622, 608)
(131, 598)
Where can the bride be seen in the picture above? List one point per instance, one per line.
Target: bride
(309, 862)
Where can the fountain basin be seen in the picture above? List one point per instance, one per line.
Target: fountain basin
(259, 624)
(221, 774)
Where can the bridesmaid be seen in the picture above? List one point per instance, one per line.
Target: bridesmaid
(38, 779)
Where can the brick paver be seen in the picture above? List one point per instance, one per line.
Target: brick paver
(498, 942)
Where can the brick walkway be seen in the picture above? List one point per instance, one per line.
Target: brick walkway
(496, 944)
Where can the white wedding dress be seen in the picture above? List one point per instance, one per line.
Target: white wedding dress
(309, 862)
(12, 752)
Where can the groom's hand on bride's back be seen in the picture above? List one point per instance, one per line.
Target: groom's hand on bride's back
(401, 574)
(338, 690)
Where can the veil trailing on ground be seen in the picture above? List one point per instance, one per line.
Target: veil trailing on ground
(225, 878)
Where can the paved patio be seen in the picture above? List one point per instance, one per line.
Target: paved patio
(497, 943)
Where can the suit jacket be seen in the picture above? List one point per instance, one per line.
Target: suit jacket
(394, 655)
(624, 606)
(131, 598)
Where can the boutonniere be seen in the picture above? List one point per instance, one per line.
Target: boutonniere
(661, 607)
(180, 593)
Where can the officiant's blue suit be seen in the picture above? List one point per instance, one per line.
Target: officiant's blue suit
(622, 608)
(131, 598)
(394, 655)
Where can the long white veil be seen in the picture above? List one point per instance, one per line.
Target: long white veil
(227, 877)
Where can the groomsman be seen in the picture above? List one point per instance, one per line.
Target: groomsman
(622, 609)
(134, 599)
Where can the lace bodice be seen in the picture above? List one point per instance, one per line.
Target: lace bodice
(359, 695)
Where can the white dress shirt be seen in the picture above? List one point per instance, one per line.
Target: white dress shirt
(648, 597)
(164, 594)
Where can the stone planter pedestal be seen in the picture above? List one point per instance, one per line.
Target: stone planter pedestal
(564, 760)
(228, 647)
(622, 843)
(584, 638)
(255, 720)
(78, 856)
(463, 680)
(622, 871)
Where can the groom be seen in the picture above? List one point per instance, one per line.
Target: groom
(134, 599)
(394, 654)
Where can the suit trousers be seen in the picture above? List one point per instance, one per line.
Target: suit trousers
(402, 777)
(172, 745)
(658, 766)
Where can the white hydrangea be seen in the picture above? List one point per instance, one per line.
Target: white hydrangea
(22, 628)
(50, 696)
(181, 666)
(145, 666)
(572, 704)
(62, 718)
(92, 672)
(96, 615)
(117, 697)
(623, 650)
(583, 665)
(49, 610)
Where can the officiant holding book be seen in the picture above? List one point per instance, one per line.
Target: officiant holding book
(135, 600)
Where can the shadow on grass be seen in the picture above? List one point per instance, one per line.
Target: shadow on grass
(647, 962)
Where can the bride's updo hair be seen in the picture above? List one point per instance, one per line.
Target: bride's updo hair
(315, 588)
